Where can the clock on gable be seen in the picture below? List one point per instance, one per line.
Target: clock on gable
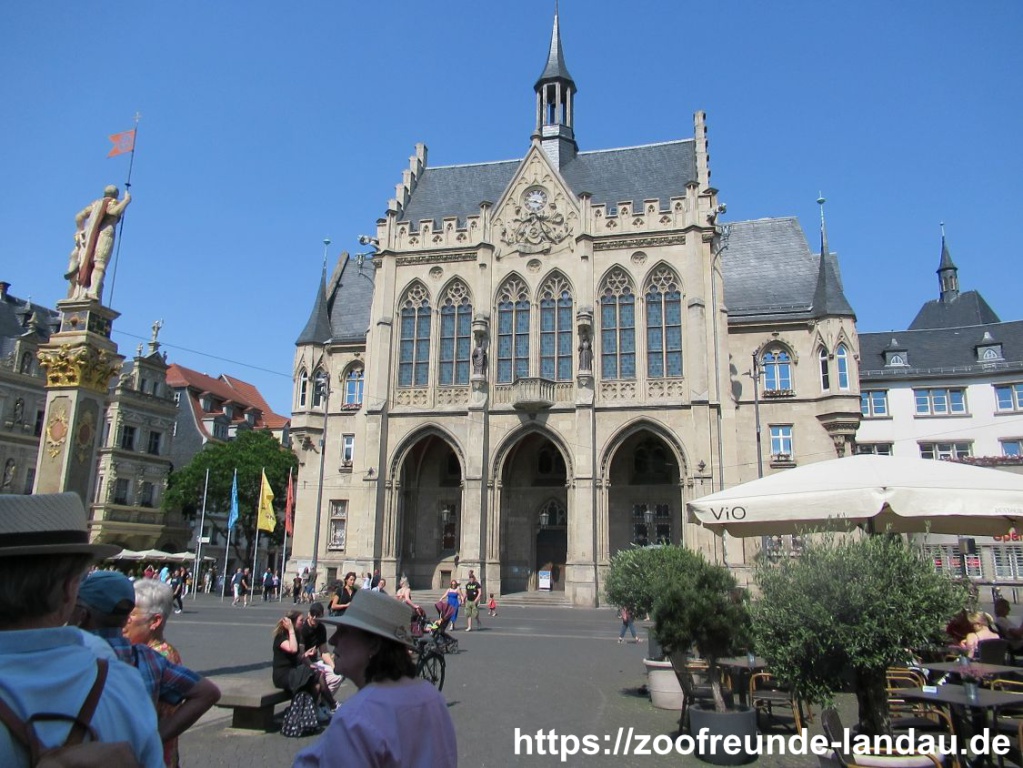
(535, 199)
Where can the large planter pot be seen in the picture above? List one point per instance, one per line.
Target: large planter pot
(661, 683)
(741, 722)
(653, 648)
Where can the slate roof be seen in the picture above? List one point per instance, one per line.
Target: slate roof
(15, 321)
(941, 350)
(611, 176)
(967, 308)
(771, 274)
(555, 68)
(317, 327)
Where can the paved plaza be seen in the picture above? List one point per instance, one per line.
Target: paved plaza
(532, 668)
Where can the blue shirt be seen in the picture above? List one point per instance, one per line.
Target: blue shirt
(51, 670)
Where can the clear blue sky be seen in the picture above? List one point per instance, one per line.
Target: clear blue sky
(267, 126)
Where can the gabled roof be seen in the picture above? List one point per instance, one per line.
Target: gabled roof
(968, 308)
(770, 273)
(940, 350)
(611, 176)
(228, 390)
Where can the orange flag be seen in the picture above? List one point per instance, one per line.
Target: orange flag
(289, 508)
(123, 142)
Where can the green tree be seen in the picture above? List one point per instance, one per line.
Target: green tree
(638, 575)
(707, 610)
(250, 453)
(850, 607)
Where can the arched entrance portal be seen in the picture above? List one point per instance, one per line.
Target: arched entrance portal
(644, 499)
(429, 513)
(534, 515)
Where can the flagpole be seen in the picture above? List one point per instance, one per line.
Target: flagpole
(198, 539)
(226, 569)
(230, 524)
(288, 510)
(255, 549)
(120, 230)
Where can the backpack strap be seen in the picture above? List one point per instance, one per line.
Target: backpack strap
(24, 731)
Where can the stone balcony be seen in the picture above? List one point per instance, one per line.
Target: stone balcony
(533, 394)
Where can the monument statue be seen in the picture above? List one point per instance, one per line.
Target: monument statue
(94, 242)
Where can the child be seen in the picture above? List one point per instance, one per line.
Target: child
(492, 605)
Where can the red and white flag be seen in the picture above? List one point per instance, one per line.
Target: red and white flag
(123, 142)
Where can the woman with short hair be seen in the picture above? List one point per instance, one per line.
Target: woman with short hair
(396, 720)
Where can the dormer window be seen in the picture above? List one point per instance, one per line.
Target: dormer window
(896, 359)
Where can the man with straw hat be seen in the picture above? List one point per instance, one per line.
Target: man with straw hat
(395, 720)
(45, 667)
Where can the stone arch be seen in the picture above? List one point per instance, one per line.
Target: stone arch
(640, 424)
(557, 279)
(658, 273)
(513, 438)
(517, 286)
(455, 284)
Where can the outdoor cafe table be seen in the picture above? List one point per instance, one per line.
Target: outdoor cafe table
(745, 669)
(974, 668)
(986, 701)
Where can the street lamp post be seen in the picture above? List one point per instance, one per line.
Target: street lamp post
(322, 380)
(756, 413)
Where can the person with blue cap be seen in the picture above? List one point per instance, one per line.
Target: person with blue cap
(44, 553)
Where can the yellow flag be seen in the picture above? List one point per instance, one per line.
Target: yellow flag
(267, 521)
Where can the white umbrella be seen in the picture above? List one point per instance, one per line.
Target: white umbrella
(897, 494)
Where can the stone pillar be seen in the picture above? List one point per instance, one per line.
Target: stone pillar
(79, 360)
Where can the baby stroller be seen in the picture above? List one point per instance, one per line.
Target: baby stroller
(443, 642)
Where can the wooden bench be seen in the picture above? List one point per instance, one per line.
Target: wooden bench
(252, 701)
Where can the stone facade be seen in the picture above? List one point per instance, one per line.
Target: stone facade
(542, 360)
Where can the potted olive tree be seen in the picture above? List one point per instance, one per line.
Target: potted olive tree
(847, 609)
(710, 613)
(636, 578)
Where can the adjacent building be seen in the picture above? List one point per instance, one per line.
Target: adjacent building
(541, 359)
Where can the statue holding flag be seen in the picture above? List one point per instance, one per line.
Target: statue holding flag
(94, 242)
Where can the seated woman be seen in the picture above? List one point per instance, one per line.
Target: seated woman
(395, 719)
(404, 593)
(980, 630)
(291, 672)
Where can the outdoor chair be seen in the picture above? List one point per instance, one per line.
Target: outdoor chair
(694, 679)
(766, 695)
(920, 715)
(831, 723)
(1010, 719)
(992, 651)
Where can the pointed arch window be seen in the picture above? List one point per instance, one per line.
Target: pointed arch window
(777, 366)
(617, 327)
(825, 370)
(319, 389)
(455, 335)
(353, 388)
(512, 332)
(664, 325)
(556, 330)
(414, 346)
(303, 389)
(842, 363)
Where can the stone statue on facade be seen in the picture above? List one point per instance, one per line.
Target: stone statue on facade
(479, 357)
(585, 354)
(94, 243)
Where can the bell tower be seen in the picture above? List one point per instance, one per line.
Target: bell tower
(555, 104)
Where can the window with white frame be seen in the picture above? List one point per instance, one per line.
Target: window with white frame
(945, 450)
(874, 449)
(303, 389)
(1013, 447)
(874, 403)
(822, 356)
(842, 363)
(337, 534)
(946, 559)
(940, 401)
(319, 388)
(1008, 562)
(347, 450)
(617, 327)
(781, 441)
(1009, 397)
(353, 388)
(777, 367)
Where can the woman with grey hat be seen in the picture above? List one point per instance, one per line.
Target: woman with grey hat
(395, 720)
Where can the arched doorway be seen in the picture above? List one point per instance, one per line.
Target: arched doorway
(534, 514)
(429, 512)
(644, 499)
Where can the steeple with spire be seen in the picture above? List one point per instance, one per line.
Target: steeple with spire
(828, 297)
(555, 104)
(948, 273)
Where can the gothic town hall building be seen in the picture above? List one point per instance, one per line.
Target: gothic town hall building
(546, 357)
